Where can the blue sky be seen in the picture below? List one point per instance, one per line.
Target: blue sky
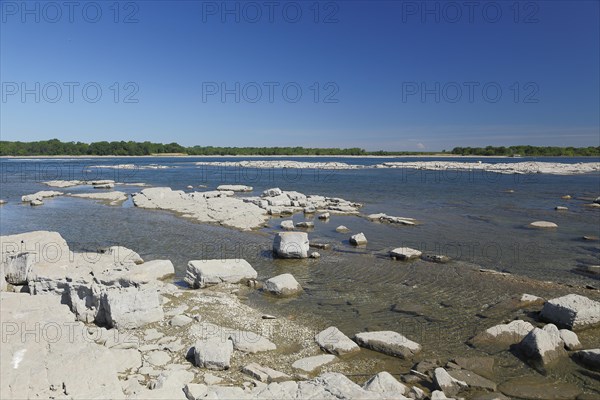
(389, 75)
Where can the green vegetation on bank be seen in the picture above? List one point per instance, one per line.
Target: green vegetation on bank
(55, 147)
(528, 151)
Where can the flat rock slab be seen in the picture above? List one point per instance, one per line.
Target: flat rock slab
(572, 311)
(36, 367)
(483, 366)
(310, 364)
(235, 188)
(265, 374)
(159, 358)
(202, 273)
(543, 225)
(388, 342)
(472, 379)
(250, 342)
(535, 387)
(335, 342)
(405, 253)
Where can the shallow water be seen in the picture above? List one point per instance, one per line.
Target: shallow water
(469, 217)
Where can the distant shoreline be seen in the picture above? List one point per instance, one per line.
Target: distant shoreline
(444, 155)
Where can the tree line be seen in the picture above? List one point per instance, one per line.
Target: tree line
(55, 147)
(528, 151)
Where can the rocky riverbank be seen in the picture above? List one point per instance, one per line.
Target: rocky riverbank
(528, 167)
(149, 338)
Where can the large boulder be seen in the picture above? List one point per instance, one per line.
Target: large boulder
(291, 245)
(213, 353)
(130, 307)
(572, 311)
(388, 342)
(334, 341)
(543, 346)
(283, 285)
(202, 273)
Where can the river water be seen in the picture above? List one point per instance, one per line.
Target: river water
(477, 219)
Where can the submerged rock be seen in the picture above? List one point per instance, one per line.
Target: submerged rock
(572, 311)
(203, 273)
(435, 258)
(388, 342)
(291, 245)
(342, 229)
(537, 387)
(588, 358)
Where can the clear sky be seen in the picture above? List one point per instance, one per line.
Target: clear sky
(392, 75)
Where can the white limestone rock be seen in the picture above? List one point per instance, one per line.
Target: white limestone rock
(543, 225)
(335, 342)
(570, 339)
(388, 342)
(311, 364)
(39, 196)
(385, 384)
(405, 253)
(287, 225)
(359, 239)
(291, 245)
(265, 374)
(283, 285)
(447, 383)
(572, 311)
(213, 353)
(543, 345)
(203, 273)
